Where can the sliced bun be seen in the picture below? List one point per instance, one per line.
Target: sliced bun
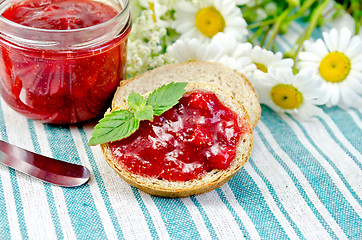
(225, 78)
(207, 182)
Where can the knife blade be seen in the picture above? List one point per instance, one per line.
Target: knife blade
(42, 167)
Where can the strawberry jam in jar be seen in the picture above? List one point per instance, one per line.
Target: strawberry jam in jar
(62, 60)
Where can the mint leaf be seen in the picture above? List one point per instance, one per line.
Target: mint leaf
(122, 123)
(145, 114)
(165, 97)
(114, 126)
(136, 101)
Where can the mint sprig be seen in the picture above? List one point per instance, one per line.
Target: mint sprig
(165, 97)
(120, 124)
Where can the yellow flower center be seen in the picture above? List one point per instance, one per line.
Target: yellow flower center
(209, 21)
(152, 8)
(335, 67)
(261, 67)
(286, 96)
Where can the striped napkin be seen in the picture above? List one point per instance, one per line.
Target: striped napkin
(303, 181)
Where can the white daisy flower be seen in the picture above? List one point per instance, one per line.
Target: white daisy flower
(242, 2)
(232, 47)
(158, 10)
(191, 50)
(168, 3)
(297, 94)
(337, 62)
(242, 64)
(264, 60)
(235, 53)
(205, 20)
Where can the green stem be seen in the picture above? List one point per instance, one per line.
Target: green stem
(277, 25)
(312, 25)
(264, 37)
(357, 26)
(257, 34)
(355, 6)
(261, 24)
(302, 10)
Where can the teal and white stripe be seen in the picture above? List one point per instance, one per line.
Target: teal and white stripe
(303, 181)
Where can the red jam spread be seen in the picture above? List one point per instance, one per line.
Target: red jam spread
(61, 86)
(197, 135)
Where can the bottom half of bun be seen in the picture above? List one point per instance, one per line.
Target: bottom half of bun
(206, 182)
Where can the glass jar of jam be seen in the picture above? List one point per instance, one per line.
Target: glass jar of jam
(62, 60)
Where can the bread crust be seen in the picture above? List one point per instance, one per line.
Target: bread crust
(227, 79)
(207, 182)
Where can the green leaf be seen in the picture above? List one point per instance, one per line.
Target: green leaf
(136, 101)
(122, 123)
(114, 126)
(145, 114)
(165, 97)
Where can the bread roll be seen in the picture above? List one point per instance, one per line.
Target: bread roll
(207, 182)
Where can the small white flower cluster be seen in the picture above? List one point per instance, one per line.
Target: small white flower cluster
(145, 45)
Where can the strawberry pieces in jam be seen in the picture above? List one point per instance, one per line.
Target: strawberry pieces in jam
(197, 135)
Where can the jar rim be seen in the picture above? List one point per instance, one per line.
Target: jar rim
(100, 25)
(80, 38)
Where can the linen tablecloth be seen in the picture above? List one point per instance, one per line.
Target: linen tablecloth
(303, 180)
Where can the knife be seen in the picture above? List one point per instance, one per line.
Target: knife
(44, 168)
